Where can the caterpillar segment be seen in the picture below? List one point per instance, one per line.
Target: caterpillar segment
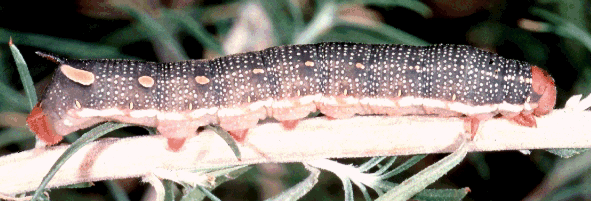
(289, 82)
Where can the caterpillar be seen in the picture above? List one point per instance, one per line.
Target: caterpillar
(289, 82)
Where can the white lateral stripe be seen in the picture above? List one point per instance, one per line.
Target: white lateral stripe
(384, 102)
(310, 98)
(259, 104)
(510, 107)
(170, 116)
(467, 109)
(225, 112)
(330, 100)
(407, 101)
(99, 113)
(143, 113)
(201, 112)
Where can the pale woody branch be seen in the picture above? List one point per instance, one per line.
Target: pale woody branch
(315, 138)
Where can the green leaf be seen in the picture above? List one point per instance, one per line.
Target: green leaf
(413, 5)
(79, 185)
(371, 163)
(88, 137)
(116, 191)
(168, 190)
(567, 153)
(13, 135)
(323, 20)
(26, 79)
(442, 194)
(300, 189)
(407, 164)
(196, 30)
(221, 176)
(228, 138)
(161, 36)
(421, 180)
(13, 98)
(387, 30)
(64, 46)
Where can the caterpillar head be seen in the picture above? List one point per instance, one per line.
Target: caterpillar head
(543, 86)
(49, 119)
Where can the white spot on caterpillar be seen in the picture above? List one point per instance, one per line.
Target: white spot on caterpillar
(146, 81)
(202, 79)
(309, 63)
(67, 122)
(80, 76)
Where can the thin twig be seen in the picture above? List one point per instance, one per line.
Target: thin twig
(314, 138)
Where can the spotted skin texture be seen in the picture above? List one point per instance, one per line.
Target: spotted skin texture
(289, 82)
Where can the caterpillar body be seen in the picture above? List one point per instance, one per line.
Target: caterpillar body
(287, 83)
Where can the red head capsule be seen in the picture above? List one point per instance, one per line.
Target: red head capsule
(39, 124)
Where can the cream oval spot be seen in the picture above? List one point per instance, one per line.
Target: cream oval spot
(309, 63)
(146, 81)
(258, 71)
(202, 79)
(78, 105)
(131, 105)
(360, 66)
(80, 76)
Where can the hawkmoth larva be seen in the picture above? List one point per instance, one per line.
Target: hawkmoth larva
(289, 82)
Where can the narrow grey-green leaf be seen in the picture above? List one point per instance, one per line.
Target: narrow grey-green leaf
(567, 153)
(385, 167)
(88, 137)
(26, 79)
(13, 98)
(168, 190)
(79, 185)
(371, 163)
(387, 30)
(300, 189)
(224, 175)
(442, 194)
(196, 30)
(221, 176)
(116, 191)
(13, 135)
(421, 180)
(228, 138)
(208, 193)
(407, 164)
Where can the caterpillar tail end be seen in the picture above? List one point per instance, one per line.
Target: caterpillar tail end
(39, 124)
(543, 85)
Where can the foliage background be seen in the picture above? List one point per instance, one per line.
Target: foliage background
(171, 30)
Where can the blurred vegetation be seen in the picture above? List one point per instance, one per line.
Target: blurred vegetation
(551, 34)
